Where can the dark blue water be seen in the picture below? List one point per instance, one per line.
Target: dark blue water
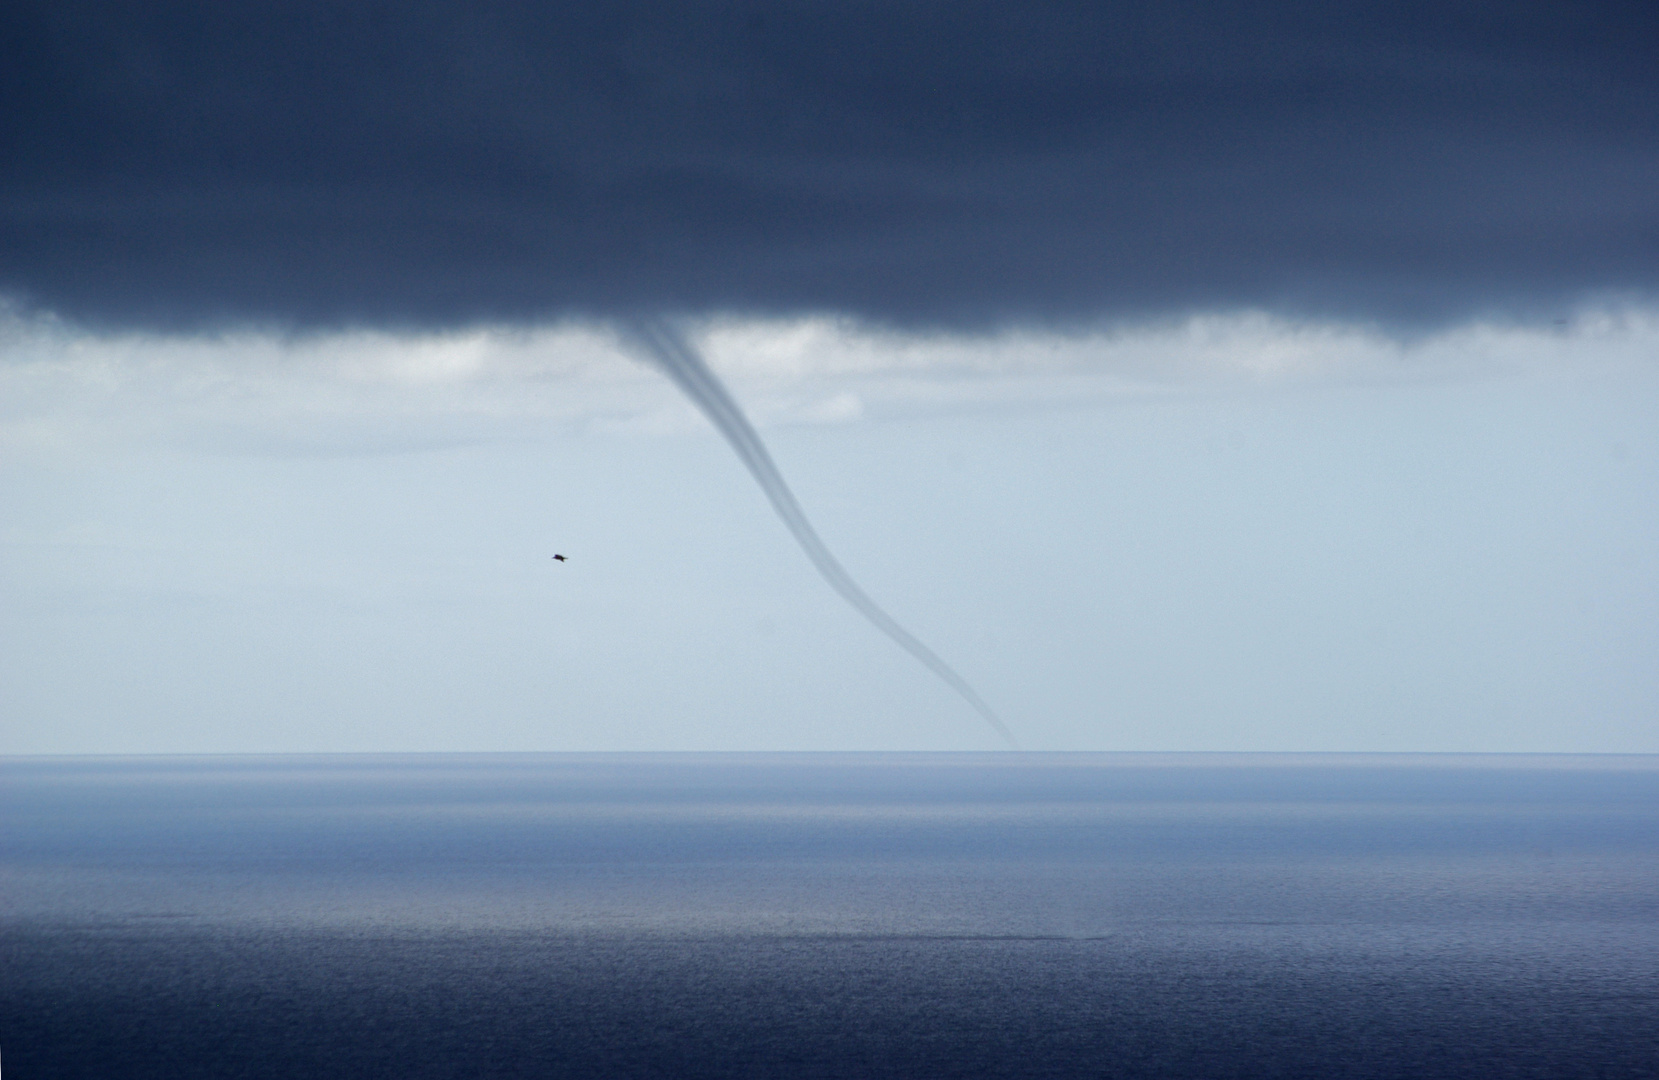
(838, 916)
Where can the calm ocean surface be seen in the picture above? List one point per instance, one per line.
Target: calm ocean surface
(882, 915)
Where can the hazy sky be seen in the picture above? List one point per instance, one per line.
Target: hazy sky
(1193, 376)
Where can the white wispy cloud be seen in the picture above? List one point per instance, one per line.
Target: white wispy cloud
(379, 391)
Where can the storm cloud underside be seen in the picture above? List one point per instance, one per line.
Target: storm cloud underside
(306, 165)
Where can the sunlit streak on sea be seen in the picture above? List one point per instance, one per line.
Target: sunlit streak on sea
(987, 915)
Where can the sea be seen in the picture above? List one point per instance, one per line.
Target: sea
(830, 915)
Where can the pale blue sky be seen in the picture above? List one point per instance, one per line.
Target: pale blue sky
(1237, 533)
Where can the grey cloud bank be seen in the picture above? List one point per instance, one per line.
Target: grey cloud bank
(178, 165)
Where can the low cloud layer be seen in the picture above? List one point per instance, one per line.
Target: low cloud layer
(310, 165)
(67, 391)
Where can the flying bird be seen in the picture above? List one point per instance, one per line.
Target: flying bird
(561, 558)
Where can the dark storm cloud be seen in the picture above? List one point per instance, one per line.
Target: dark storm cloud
(174, 164)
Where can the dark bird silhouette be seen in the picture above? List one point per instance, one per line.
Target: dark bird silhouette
(561, 558)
